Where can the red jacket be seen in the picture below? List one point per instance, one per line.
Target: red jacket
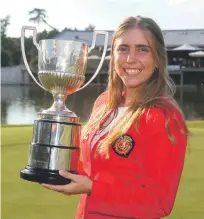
(141, 178)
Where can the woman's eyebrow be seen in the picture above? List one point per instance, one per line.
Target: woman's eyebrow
(125, 45)
(141, 45)
(136, 45)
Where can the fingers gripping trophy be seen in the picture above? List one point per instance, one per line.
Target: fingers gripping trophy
(56, 131)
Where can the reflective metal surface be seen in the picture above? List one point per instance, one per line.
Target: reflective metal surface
(39, 156)
(57, 134)
(69, 117)
(53, 158)
(61, 65)
(54, 146)
(61, 68)
(63, 159)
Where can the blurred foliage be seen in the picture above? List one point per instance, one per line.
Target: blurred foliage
(90, 27)
(11, 47)
(5, 59)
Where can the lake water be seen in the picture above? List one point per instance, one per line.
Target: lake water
(20, 104)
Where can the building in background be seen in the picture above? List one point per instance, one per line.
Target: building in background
(185, 49)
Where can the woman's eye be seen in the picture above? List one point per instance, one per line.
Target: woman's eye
(144, 49)
(122, 49)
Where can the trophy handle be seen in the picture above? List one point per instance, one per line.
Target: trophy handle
(23, 49)
(102, 57)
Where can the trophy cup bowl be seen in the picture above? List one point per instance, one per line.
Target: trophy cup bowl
(56, 132)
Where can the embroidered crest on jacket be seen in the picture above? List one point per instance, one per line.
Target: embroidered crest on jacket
(123, 145)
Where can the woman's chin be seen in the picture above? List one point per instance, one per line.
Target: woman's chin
(132, 84)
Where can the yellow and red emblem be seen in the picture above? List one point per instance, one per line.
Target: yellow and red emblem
(123, 145)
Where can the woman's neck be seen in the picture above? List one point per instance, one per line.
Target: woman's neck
(130, 95)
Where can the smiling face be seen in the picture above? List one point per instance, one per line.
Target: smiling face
(133, 58)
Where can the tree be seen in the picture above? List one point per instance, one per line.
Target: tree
(90, 28)
(16, 57)
(38, 15)
(11, 47)
(52, 34)
(4, 24)
(66, 29)
(5, 59)
(7, 44)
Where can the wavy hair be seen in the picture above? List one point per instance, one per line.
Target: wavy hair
(159, 84)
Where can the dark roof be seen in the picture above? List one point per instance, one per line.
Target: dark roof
(172, 38)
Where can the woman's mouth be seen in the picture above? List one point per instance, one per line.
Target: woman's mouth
(132, 71)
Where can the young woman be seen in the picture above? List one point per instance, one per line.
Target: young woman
(134, 143)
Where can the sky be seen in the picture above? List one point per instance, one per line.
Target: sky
(104, 14)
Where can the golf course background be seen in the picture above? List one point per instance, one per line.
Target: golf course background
(26, 200)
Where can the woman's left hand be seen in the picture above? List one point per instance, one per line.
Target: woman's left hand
(79, 184)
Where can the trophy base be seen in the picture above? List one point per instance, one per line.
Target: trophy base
(44, 176)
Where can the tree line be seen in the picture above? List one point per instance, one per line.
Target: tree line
(11, 47)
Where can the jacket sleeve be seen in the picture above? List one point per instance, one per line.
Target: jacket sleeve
(153, 195)
(80, 169)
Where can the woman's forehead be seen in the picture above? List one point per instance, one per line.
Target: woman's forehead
(134, 37)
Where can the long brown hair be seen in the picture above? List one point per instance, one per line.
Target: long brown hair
(160, 84)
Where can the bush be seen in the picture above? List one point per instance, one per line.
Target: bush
(16, 57)
(5, 59)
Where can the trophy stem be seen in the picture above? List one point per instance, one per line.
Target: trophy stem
(59, 102)
(58, 107)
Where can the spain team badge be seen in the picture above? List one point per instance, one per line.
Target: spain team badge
(123, 145)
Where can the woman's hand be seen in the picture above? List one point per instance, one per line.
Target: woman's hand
(79, 184)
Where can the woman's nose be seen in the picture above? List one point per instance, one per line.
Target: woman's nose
(132, 57)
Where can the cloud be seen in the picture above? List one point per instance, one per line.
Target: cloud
(189, 4)
(122, 1)
(176, 2)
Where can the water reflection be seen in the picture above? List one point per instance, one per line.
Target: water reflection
(20, 104)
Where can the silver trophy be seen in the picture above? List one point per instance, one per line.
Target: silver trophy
(56, 131)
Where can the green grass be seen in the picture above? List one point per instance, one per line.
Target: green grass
(22, 199)
(196, 124)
